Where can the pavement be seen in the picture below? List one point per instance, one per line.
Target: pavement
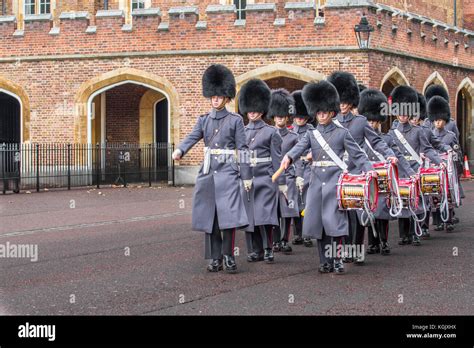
(131, 251)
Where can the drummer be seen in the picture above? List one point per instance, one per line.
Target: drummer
(439, 115)
(412, 141)
(323, 219)
(371, 105)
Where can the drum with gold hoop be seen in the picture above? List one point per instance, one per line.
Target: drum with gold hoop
(357, 192)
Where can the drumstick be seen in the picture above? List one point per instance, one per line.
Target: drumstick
(277, 174)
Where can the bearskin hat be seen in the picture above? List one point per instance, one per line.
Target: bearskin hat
(300, 108)
(346, 86)
(372, 103)
(433, 90)
(362, 88)
(281, 104)
(254, 97)
(438, 109)
(422, 104)
(218, 80)
(320, 96)
(404, 100)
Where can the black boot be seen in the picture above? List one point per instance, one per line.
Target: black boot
(425, 234)
(215, 266)
(254, 257)
(416, 240)
(439, 227)
(373, 249)
(297, 240)
(276, 247)
(404, 241)
(268, 256)
(229, 264)
(455, 220)
(326, 268)
(285, 247)
(338, 266)
(385, 248)
(449, 227)
(308, 242)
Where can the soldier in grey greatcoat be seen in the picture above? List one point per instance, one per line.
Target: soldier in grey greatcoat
(301, 124)
(323, 219)
(264, 144)
(363, 134)
(404, 100)
(218, 206)
(281, 110)
(371, 105)
(440, 115)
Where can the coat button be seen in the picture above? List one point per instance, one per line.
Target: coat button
(324, 156)
(324, 170)
(215, 157)
(324, 183)
(217, 130)
(217, 144)
(215, 171)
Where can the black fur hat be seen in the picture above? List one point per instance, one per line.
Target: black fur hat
(300, 108)
(433, 90)
(320, 96)
(218, 80)
(254, 97)
(362, 88)
(346, 86)
(422, 103)
(281, 104)
(372, 103)
(438, 109)
(404, 98)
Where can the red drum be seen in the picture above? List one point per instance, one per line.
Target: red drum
(431, 181)
(388, 175)
(357, 192)
(409, 193)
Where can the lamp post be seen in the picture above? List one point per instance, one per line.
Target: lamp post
(362, 32)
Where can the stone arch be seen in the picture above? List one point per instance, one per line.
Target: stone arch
(435, 78)
(276, 70)
(115, 78)
(396, 77)
(20, 94)
(464, 111)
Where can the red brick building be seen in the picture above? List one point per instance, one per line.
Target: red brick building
(130, 70)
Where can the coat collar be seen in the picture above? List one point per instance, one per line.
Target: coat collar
(440, 132)
(283, 131)
(256, 125)
(404, 127)
(218, 114)
(326, 128)
(345, 118)
(302, 129)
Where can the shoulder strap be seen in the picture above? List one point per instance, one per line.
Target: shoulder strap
(408, 146)
(328, 150)
(377, 154)
(337, 123)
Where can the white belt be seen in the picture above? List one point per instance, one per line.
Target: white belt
(207, 156)
(324, 164)
(410, 158)
(256, 160)
(222, 152)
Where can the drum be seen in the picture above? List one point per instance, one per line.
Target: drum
(357, 192)
(453, 183)
(388, 173)
(409, 193)
(430, 180)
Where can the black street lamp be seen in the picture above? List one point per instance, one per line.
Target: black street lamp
(362, 31)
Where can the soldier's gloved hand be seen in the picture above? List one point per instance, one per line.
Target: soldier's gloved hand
(283, 189)
(247, 184)
(177, 154)
(393, 159)
(300, 183)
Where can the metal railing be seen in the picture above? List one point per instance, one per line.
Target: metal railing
(61, 165)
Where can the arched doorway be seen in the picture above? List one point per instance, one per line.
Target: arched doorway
(464, 116)
(395, 77)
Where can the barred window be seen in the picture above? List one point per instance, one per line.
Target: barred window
(30, 7)
(45, 6)
(138, 4)
(240, 5)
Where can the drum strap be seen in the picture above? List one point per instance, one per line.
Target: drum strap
(328, 150)
(378, 154)
(408, 146)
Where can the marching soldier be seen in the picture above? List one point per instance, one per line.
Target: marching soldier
(439, 115)
(264, 143)
(218, 207)
(412, 142)
(364, 135)
(301, 124)
(437, 90)
(323, 219)
(282, 109)
(371, 105)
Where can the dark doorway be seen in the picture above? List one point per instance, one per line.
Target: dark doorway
(462, 117)
(161, 139)
(387, 89)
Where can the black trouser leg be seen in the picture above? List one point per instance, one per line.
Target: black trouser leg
(298, 226)
(323, 244)
(213, 242)
(228, 241)
(382, 228)
(413, 225)
(353, 222)
(437, 217)
(374, 240)
(426, 223)
(267, 236)
(254, 241)
(404, 227)
(359, 231)
(277, 232)
(286, 227)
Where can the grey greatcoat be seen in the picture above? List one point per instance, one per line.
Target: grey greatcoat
(415, 136)
(220, 188)
(322, 210)
(263, 141)
(450, 126)
(383, 210)
(302, 167)
(289, 205)
(433, 139)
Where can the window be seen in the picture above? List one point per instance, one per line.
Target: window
(30, 7)
(138, 4)
(45, 6)
(240, 5)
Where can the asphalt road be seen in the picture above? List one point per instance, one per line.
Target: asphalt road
(131, 251)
